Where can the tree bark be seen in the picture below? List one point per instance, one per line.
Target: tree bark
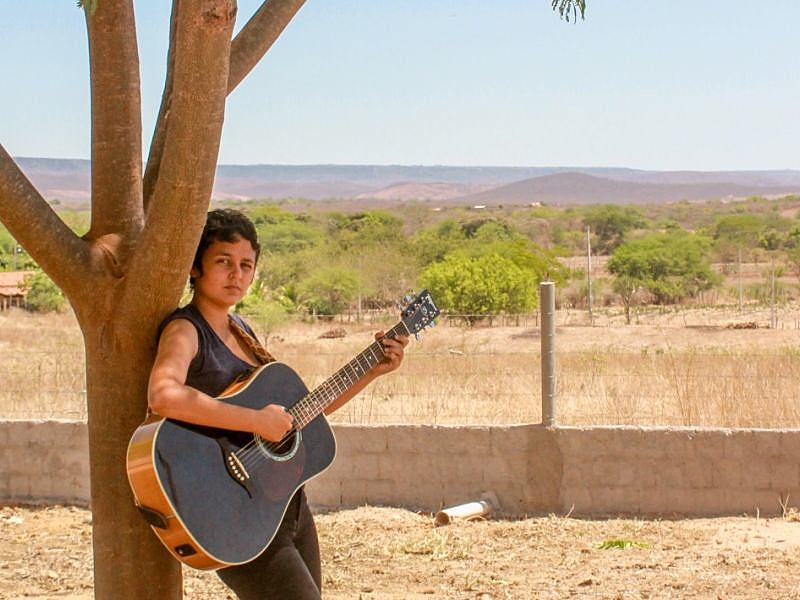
(116, 123)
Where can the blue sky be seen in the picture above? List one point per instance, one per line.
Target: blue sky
(670, 85)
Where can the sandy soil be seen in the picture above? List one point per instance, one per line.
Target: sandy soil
(387, 553)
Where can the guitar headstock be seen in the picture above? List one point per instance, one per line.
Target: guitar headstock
(420, 312)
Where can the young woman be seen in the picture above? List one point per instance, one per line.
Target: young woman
(201, 351)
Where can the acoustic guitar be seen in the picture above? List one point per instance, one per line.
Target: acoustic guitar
(216, 497)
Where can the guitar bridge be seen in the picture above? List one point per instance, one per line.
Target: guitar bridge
(234, 466)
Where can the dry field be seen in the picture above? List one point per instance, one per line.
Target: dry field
(707, 367)
(392, 554)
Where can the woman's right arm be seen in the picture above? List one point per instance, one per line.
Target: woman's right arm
(168, 395)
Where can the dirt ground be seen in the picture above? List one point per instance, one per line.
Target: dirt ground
(387, 553)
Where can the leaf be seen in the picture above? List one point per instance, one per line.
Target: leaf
(88, 5)
(621, 544)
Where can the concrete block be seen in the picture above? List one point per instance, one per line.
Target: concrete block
(324, 494)
(784, 474)
(790, 444)
(607, 474)
(698, 474)
(503, 468)
(738, 445)
(21, 488)
(755, 475)
(577, 501)
(574, 474)
(412, 439)
(516, 438)
(459, 493)
(464, 441)
(678, 502)
(6, 437)
(767, 443)
(644, 473)
(38, 433)
(611, 500)
(370, 439)
(365, 466)
(427, 495)
(677, 443)
(728, 473)
(354, 493)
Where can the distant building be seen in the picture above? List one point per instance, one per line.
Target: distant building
(11, 290)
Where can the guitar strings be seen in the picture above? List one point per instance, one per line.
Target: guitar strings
(308, 408)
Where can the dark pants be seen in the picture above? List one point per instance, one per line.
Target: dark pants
(289, 569)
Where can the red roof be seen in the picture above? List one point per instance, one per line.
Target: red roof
(11, 281)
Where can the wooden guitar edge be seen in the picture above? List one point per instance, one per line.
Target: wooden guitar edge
(150, 498)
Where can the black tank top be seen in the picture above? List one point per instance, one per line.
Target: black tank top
(214, 367)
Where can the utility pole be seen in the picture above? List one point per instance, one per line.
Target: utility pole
(773, 315)
(547, 307)
(739, 274)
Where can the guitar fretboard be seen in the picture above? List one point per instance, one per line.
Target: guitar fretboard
(315, 403)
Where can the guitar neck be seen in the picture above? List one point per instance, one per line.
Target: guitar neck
(315, 403)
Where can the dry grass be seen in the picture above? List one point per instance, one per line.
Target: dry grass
(690, 368)
(394, 554)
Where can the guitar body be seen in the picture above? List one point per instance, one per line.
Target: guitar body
(215, 497)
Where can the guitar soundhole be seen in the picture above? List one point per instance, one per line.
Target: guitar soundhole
(284, 450)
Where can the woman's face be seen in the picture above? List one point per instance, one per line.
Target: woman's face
(228, 270)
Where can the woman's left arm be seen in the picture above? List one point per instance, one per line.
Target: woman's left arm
(393, 349)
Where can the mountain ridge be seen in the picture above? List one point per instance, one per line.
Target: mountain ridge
(68, 181)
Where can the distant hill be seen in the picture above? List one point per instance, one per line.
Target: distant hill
(68, 181)
(580, 188)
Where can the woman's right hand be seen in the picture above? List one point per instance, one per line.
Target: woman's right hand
(272, 422)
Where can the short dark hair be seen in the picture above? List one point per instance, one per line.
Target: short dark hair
(224, 225)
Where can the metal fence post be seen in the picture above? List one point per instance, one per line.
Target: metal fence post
(547, 303)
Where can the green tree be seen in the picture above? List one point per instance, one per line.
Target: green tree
(793, 258)
(42, 295)
(610, 223)
(373, 244)
(329, 290)
(281, 232)
(433, 243)
(364, 228)
(671, 267)
(734, 234)
(481, 286)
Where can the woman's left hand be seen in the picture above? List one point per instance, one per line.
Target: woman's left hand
(394, 349)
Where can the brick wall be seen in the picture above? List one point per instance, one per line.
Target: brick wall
(530, 469)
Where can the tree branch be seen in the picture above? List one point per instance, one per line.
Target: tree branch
(258, 35)
(116, 122)
(35, 225)
(188, 150)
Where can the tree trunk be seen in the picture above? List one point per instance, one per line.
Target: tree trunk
(130, 561)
